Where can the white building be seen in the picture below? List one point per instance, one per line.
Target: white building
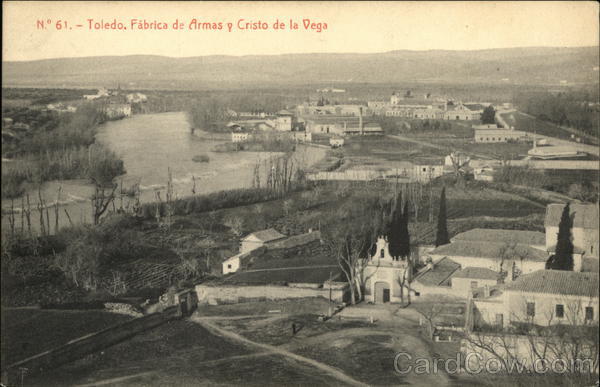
(256, 244)
(384, 275)
(544, 297)
(258, 239)
(239, 136)
(498, 135)
(497, 250)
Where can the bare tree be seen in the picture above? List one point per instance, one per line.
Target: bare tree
(350, 244)
(236, 224)
(405, 278)
(101, 200)
(568, 338)
(429, 311)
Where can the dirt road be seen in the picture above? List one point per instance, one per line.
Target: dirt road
(334, 372)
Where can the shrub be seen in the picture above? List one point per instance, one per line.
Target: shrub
(201, 159)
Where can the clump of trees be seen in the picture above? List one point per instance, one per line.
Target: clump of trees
(60, 147)
(489, 115)
(571, 109)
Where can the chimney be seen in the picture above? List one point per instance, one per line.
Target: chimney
(486, 291)
(360, 120)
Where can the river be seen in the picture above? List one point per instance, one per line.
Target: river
(150, 145)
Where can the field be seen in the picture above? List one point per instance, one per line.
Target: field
(244, 343)
(26, 332)
(530, 124)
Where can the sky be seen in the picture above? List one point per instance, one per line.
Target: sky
(357, 27)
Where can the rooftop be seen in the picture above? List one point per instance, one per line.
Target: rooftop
(583, 215)
(488, 249)
(531, 238)
(559, 282)
(476, 273)
(265, 235)
(296, 240)
(439, 275)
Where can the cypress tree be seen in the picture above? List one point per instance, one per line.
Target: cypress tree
(441, 237)
(563, 256)
(404, 236)
(394, 241)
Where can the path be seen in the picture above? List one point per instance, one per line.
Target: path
(336, 373)
(118, 380)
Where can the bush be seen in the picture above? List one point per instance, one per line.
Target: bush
(201, 159)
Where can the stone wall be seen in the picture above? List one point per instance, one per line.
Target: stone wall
(228, 294)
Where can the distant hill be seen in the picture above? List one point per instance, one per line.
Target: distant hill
(541, 66)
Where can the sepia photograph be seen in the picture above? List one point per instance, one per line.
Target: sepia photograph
(300, 193)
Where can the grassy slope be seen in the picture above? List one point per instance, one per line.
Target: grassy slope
(26, 332)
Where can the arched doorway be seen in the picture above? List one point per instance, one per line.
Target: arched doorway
(382, 292)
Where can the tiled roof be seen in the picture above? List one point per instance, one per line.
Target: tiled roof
(439, 274)
(584, 215)
(266, 235)
(500, 235)
(476, 273)
(487, 249)
(557, 282)
(296, 240)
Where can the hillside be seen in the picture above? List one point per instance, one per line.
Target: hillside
(542, 66)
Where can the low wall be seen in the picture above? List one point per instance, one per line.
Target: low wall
(82, 346)
(228, 294)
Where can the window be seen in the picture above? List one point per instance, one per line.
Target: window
(487, 139)
(473, 284)
(229, 266)
(480, 138)
(589, 313)
(424, 169)
(382, 253)
(530, 309)
(560, 311)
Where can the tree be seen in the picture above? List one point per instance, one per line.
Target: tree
(80, 263)
(570, 341)
(488, 115)
(404, 235)
(563, 255)
(350, 244)
(441, 237)
(101, 201)
(429, 311)
(395, 224)
(398, 236)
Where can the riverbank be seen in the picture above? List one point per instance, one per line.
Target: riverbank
(47, 147)
(151, 146)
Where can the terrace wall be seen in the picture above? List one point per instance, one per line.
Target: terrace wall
(228, 294)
